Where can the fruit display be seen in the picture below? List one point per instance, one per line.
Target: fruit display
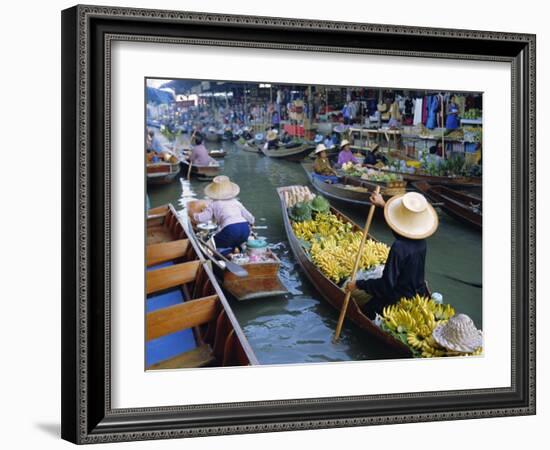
(473, 134)
(381, 177)
(413, 321)
(332, 245)
(296, 194)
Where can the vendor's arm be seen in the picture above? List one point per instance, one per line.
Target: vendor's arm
(205, 215)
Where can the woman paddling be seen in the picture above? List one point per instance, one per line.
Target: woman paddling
(233, 219)
(412, 219)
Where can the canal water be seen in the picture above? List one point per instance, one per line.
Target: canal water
(298, 327)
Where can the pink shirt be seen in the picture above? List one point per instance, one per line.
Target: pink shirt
(199, 156)
(225, 212)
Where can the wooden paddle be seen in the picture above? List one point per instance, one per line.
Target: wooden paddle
(229, 265)
(344, 309)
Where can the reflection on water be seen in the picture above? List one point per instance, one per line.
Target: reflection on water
(299, 326)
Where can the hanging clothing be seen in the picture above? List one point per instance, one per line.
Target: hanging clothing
(403, 276)
(417, 111)
(433, 106)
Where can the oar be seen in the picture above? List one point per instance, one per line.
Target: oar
(344, 309)
(229, 265)
(189, 170)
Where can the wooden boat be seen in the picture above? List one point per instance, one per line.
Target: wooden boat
(189, 322)
(458, 181)
(201, 172)
(248, 146)
(330, 291)
(212, 136)
(387, 188)
(262, 279)
(297, 152)
(162, 172)
(220, 153)
(463, 207)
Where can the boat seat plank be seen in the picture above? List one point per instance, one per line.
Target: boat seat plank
(169, 277)
(198, 357)
(177, 317)
(166, 251)
(169, 346)
(158, 234)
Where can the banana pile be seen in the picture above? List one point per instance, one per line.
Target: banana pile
(333, 246)
(413, 320)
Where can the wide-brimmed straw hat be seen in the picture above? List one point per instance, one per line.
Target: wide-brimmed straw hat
(344, 143)
(410, 215)
(320, 148)
(271, 135)
(222, 188)
(459, 334)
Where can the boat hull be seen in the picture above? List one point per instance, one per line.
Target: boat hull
(162, 173)
(330, 292)
(294, 153)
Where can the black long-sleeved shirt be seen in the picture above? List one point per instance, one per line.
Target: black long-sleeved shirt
(403, 274)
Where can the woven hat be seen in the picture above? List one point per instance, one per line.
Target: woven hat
(300, 211)
(271, 135)
(344, 143)
(320, 148)
(459, 334)
(222, 188)
(320, 204)
(410, 215)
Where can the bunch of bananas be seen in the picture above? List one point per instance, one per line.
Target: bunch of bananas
(413, 320)
(334, 246)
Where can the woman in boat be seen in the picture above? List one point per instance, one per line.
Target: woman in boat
(345, 154)
(199, 154)
(233, 219)
(372, 157)
(412, 220)
(272, 140)
(322, 168)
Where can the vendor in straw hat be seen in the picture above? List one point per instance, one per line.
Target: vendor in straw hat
(272, 140)
(233, 219)
(199, 154)
(346, 155)
(321, 167)
(412, 219)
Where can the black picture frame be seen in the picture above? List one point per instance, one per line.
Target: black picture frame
(87, 33)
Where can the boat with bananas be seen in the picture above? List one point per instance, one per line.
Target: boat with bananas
(328, 283)
(463, 207)
(188, 321)
(262, 273)
(292, 151)
(205, 172)
(162, 172)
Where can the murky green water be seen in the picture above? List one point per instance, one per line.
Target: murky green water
(299, 326)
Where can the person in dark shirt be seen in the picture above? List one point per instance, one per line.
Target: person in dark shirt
(412, 219)
(372, 156)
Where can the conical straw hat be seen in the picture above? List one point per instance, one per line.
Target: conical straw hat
(459, 334)
(410, 215)
(271, 135)
(320, 148)
(222, 188)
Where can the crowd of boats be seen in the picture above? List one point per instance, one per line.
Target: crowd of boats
(189, 281)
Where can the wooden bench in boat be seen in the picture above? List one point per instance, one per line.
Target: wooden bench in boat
(188, 320)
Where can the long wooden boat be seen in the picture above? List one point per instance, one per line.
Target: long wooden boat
(458, 181)
(213, 136)
(262, 279)
(463, 207)
(248, 146)
(202, 172)
(330, 291)
(189, 322)
(297, 153)
(162, 172)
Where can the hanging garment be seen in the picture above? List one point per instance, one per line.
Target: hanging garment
(433, 105)
(417, 111)
(425, 109)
